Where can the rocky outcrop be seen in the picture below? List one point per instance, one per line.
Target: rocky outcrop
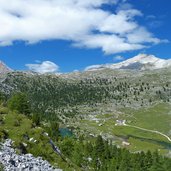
(24, 162)
(3, 68)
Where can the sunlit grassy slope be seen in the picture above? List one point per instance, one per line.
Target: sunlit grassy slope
(156, 118)
(23, 132)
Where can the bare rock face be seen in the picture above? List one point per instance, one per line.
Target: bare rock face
(3, 68)
(25, 162)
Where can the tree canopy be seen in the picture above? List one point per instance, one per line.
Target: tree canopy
(19, 102)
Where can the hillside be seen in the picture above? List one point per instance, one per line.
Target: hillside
(68, 153)
(121, 88)
(29, 145)
(87, 94)
(127, 107)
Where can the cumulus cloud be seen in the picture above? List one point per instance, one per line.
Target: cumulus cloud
(141, 35)
(44, 67)
(110, 44)
(83, 22)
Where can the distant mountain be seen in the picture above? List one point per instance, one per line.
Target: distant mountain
(139, 62)
(4, 68)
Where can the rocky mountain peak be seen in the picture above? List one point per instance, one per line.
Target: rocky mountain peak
(139, 62)
(4, 68)
(143, 58)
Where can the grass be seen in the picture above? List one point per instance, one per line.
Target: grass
(19, 122)
(155, 118)
(17, 126)
(104, 116)
(139, 139)
(145, 145)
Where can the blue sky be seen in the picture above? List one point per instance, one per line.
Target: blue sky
(98, 32)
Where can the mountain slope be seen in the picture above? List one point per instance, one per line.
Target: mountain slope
(80, 99)
(121, 88)
(3, 68)
(139, 62)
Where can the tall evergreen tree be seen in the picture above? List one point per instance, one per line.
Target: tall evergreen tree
(20, 103)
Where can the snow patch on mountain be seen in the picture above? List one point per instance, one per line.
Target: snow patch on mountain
(139, 62)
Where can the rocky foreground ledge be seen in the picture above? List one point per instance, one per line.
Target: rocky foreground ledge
(25, 162)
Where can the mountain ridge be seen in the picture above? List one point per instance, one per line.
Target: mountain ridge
(4, 68)
(139, 62)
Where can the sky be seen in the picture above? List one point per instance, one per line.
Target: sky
(69, 35)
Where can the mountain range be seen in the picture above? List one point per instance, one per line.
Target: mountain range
(139, 62)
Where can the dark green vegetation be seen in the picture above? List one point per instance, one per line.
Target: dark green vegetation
(71, 99)
(30, 138)
(103, 156)
(51, 93)
(19, 102)
(90, 103)
(1, 167)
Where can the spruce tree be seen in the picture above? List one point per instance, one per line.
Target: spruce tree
(19, 102)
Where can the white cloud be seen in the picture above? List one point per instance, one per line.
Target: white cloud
(141, 35)
(110, 44)
(83, 22)
(120, 23)
(44, 67)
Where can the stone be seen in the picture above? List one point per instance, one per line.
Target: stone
(24, 162)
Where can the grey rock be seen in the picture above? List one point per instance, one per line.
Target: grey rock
(23, 162)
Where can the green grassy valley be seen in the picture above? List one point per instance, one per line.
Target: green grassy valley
(105, 124)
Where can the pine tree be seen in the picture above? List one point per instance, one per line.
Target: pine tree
(77, 155)
(20, 103)
(2, 97)
(99, 146)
